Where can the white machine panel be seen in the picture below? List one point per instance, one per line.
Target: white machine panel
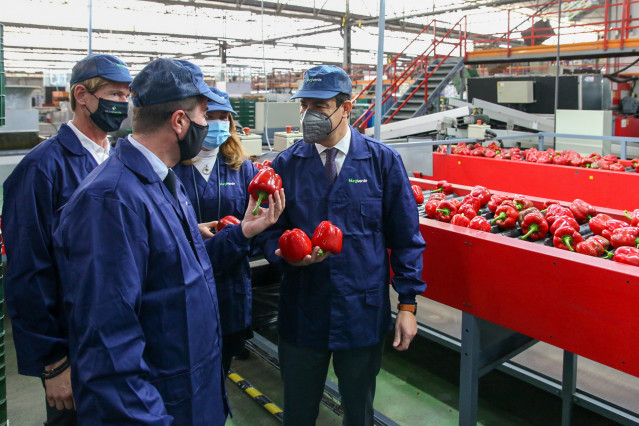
(283, 140)
(584, 122)
(277, 114)
(515, 92)
(252, 144)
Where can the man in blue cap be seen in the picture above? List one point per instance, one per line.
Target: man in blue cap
(43, 182)
(138, 285)
(338, 305)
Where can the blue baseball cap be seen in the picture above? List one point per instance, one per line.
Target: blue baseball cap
(105, 66)
(215, 106)
(324, 82)
(165, 80)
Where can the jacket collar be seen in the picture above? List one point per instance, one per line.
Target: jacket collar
(134, 160)
(70, 141)
(358, 149)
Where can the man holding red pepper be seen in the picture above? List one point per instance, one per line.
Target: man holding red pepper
(337, 305)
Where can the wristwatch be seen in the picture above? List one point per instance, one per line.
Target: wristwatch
(407, 307)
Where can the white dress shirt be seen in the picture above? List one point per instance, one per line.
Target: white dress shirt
(98, 152)
(205, 162)
(158, 166)
(342, 149)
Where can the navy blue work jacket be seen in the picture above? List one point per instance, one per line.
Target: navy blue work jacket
(42, 182)
(212, 200)
(343, 302)
(139, 294)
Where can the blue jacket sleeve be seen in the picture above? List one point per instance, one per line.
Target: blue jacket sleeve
(402, 234)
(31, 284)
(227, 247)
(102, 250)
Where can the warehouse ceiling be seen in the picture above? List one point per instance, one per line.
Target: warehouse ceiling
(263, 35)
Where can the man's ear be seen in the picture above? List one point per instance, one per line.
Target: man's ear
(179, 122)
(80, 94)
(348, 106)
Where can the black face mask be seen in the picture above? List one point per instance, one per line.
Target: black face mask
(110, 114)
(191, 145)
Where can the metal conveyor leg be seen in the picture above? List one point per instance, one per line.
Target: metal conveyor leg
(568, 387)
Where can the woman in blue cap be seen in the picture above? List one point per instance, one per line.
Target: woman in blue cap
(216, 181)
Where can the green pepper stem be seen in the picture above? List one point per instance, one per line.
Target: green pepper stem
(437, 190)
(625, 212)
(567, 239)
(531, 230)
(543, 211)
(501, 216)
(608, 255)
(320, 252)
(260, 197)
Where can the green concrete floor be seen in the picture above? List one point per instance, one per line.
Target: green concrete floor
(418, 387)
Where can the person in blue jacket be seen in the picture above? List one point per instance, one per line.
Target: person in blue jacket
(216, 182)
(338, 305)
(43, 182)
(139, 289)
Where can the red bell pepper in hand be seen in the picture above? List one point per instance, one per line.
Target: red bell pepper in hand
(479, 223)
(258, 166)
(468, 210)
(598, 223)
(444, 186)
(265, 183)
(495, 201)
(445, 211)
(418, 193)
(460, 220)
(622, 237)
(582, 210)
(267, 163)
(226, 220)
(482, 193)
(534, 226)
(566, 238)
(611, 226)
(505, 217)
(328, 238)
(564, 221)
(295, 245)
(431, 208)
(634, 218)
(627, 255)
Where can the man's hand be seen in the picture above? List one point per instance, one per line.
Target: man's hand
(58, 388)
(314, 257)
(405, 330)
(254, 224)
(205, 229)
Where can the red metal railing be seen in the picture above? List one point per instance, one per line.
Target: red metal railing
(415, 67)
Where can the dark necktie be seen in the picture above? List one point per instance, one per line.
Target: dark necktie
(171, 183)
(329, 165)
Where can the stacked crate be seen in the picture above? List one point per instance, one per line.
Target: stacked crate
(245, 108)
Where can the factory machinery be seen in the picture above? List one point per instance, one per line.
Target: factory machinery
(513, 293)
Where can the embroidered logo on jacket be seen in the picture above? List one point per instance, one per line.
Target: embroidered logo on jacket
(226, 183)
(358, 180)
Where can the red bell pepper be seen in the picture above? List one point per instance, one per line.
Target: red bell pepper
(634, 162)
(226, 220)
(627, 255)
(443, 186)
(561, 160)
(617, 167)
(436, 196)
(582, 210)
(611, 226)
(564, 221)
(505, 217)
(478, 152)
(479, 223)
(594, 156)
(534, 226)
(566, 238)
(265, 183)
(446, 210)
(555, 211)
(460, 219)
(521, 202)
(431, 208)
(468, 210)
(495, 201)
(418, 193)
(490, 153)
(475, 203)
(548, 203)
(328, 238)
(634, 218)
(575, 161)
(590, 247)
(586, 162)
(482, 193)
(267, 163)
(258, 166)
(598, 223)
(610, 157)
(455, 202)
(603, 241)
(295, 245)
(544, 158)
(522, 214)
(622, 237)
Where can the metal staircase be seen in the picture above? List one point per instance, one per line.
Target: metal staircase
(411, 104)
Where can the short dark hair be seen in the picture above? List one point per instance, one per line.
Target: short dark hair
(341, 98)
(147, 119)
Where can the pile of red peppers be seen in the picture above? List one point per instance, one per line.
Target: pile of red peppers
(567, 224)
